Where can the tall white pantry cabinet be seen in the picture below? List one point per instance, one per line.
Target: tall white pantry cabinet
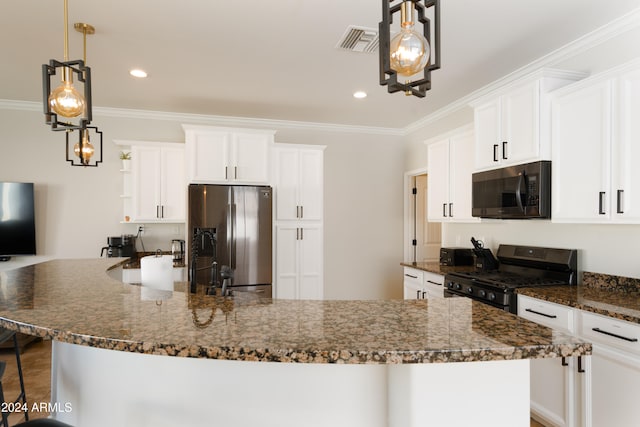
(298, 175)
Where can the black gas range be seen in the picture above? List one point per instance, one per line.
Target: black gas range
(519, 267)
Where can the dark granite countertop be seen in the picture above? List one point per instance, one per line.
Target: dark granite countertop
(76, 301)
(612, 296)
(434, 267)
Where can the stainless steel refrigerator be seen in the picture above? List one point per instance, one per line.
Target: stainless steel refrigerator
(231, 225)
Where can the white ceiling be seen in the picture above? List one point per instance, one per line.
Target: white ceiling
(277, 59)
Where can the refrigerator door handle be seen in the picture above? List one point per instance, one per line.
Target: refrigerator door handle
(232, 252)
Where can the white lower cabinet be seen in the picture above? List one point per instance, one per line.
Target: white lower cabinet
(419, 284)
(299, 261)
(555, 385)
(613, 386)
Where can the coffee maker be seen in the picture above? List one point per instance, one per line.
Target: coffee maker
(177, 250)
(120, 246)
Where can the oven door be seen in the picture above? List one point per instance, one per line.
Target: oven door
(522, 191)
(448, 293)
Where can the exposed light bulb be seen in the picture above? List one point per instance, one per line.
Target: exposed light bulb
(65, 100)
(410, 50)
(87, 148)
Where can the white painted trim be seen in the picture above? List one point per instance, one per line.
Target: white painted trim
(300, 146)
(408, 208)
(598, 36)
(128, 143)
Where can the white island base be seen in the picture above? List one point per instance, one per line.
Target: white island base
(96, 387)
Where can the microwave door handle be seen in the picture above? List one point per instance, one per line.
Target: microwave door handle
(521, 179)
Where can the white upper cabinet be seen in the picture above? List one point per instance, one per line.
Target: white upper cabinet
(159, 190)
(595, 136)
(512, 127)
(298, 176)
(449, 167)
(217, 155)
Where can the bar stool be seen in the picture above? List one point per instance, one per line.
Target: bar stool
(6, 335)
(43, 422)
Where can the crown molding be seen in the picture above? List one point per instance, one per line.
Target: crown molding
(212, 120)
(598, 36)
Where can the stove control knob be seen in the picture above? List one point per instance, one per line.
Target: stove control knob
(492, 296)
(450, 285)
(458, 286)
(482, 293)
(470, 290)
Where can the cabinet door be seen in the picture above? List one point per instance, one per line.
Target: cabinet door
(286, 286)
(250, 158)
(520, 136)
(625, 190)
(461, 164)
(173, 186)
(208, 154)
(310, 193)
(615, 387)
(286, 180)
(146, 177)
(581, 139)
(487, 134)
(438, 181)
(310, 255)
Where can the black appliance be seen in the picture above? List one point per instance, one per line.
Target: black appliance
(456, 256)
(520, 267)
(514, 192)
(120, 246)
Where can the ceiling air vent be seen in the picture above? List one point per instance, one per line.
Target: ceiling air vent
(359, 39)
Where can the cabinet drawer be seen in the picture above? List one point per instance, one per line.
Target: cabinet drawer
(609, 331)
(411, 275)
(546, 313)
(434, 284)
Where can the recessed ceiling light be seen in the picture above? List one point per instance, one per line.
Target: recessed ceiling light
(360, 94)
(141, 74)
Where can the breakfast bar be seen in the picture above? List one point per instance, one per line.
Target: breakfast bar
(126, 355)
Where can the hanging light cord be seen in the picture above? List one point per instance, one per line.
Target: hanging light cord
(66, 30)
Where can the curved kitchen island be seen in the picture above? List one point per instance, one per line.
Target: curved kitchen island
(130, 356)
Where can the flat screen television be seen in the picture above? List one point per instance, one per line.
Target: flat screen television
(17, 220)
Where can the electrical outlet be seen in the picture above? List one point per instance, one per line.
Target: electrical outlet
(141, 229)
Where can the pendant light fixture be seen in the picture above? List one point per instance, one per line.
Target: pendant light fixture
(414, 51)
(65, 101)
(83, 150)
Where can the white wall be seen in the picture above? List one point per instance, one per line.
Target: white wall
(77, 208)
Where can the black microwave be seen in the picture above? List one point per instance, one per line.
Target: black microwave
(514, 192)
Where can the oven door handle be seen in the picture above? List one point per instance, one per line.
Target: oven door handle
(521, 179)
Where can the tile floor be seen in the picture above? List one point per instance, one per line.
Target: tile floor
(36, 367)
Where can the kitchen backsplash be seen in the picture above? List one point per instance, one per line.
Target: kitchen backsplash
(609, 282)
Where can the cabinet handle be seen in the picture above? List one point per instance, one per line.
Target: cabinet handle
(301, 212)
(550, 316)
(504, 150)
(611, 334)
(580, 368)
(424, 293)
(601, 203)
(435, 283)
(444, 210)
(451, 210)
(495, 152)
(417, 294)
(412, 276)
(619, 202)
(157, 211)
(564, 362)
(226, 172)
(297, 233)
(301, 233)
(235, 172)
(161, 211)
